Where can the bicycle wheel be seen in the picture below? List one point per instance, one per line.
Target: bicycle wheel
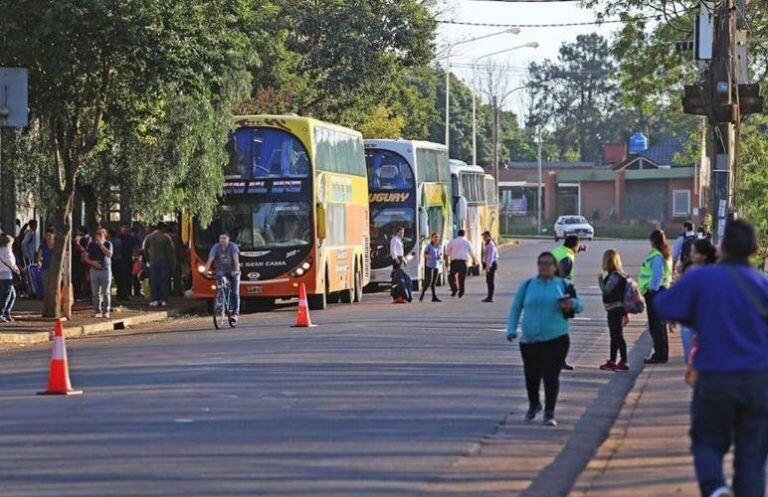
(219, 311)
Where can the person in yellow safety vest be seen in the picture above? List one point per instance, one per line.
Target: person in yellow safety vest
(565, 255)
(654, 277)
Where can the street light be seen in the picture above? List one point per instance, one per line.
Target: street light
(447, 57)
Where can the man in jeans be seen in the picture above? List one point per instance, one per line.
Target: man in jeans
(727, 303)
(225, 257)
(160, 256)
(458, 253)
(98, 256)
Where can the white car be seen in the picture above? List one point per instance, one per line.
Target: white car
(573, 225)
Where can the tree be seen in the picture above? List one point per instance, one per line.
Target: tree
(382, 124)
(576, 95)
(151, 84)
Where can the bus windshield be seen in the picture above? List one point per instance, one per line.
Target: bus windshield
(385, 221)
(388, 170)
(266, 153)
(257, 225)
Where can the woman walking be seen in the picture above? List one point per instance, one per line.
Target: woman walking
(703, 253)
(8, 269)
(612, 284)
(545, 304)
(432, 257)
(654, 278)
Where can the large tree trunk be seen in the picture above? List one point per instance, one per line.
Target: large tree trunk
(61, 223)
(92, 217)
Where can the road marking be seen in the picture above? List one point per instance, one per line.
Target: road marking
(184, 420)
(578, 318)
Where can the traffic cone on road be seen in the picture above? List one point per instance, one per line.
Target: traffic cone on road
(58, 378)
(302, 315)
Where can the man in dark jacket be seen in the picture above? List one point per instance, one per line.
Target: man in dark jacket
(727, 306)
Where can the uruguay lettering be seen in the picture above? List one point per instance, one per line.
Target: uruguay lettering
(388, 197)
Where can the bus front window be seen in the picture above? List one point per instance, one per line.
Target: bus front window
(267, 153)
(258, 225)
(388, 171)
(385, 222)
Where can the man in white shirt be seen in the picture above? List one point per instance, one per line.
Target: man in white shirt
(490, 264)
(396, 250)
(458, 253)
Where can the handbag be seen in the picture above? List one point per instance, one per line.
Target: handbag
(569, 291)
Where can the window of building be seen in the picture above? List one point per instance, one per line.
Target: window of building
(681, 203)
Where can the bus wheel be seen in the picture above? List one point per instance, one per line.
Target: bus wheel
(358, 284)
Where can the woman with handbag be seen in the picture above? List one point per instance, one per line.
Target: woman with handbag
(8, 269)
(545, 304)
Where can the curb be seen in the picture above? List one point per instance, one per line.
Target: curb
(80, 331)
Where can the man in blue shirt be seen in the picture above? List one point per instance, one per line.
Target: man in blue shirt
(225, 257)
(727, 305)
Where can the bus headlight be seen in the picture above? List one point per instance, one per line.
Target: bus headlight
(305, 266)
(299, 272)
(201, 269)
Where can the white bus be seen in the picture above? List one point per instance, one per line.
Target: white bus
(470, 206)
(409, 185)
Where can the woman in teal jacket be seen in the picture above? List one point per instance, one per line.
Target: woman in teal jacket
(543, 303)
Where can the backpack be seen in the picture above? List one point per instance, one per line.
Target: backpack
(685, 251)
(632, 301)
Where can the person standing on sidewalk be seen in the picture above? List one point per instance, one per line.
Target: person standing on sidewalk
(98, 256)
(124, 264)
(703, 253)
(728, 304)
(681, 250)
(432, 257)
(160, 257)
(8, 269)
(490, 264)
(613, 283)
(458, 253)
(654, 278)
(545, 303)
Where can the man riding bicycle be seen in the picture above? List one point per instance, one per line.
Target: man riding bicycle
(225, 257)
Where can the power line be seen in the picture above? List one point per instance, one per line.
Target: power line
(550, 25)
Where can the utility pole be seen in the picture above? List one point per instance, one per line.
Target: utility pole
(448, 100)
(538, 186)
(474, 128)
(496, 141)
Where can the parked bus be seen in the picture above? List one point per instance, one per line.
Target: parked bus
(470, 206)
(491, 218)
(409, 186)
(296, 203)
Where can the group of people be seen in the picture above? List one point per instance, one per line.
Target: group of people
(457, 255)
(717, 300)
(137, 265)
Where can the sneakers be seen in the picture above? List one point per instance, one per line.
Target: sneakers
(154, 303)
(3, 319)
(568, 367)
(487, 299)
(722, 492)
(621, 366)
(655, 360)
(549, 419)
(435, 299)
(608, 366)
(532, 412)
(163, 303)
(98, 315)
(107, 315)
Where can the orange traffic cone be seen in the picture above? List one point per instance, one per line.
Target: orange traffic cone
(302, 315)
(58, 379)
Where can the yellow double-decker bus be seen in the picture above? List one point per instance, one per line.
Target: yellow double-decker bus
(490, 218)
(296, 204)
(409, 184)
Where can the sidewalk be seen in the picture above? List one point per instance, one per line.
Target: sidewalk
(647, 451)
(30, 328)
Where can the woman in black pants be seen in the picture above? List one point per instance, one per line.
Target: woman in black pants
(613, 284)
(544, 304)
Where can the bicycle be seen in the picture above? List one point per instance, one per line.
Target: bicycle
(221, 308)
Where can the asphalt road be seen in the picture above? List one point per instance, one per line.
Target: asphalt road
(378, 400)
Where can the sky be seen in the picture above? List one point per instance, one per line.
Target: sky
(497, 12)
